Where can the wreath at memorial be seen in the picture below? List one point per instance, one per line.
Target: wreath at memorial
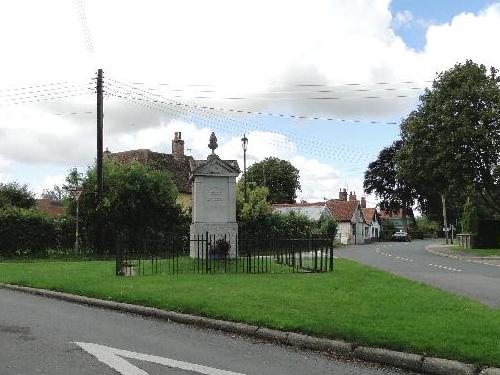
(219, 249)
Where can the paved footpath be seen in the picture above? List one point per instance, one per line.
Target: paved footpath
(39, 335)
(471, 277)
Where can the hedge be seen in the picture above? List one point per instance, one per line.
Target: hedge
(29, 232)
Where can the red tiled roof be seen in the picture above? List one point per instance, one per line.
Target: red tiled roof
(342, 210)
(304, 204)
(387, 214)
(164, 162)
(51, 208)
(369, 214)
(339, 209)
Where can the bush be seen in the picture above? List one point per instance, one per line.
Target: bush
(25, 232)
(424, 228)
(29, 232)
(469, 218)
(327, 227)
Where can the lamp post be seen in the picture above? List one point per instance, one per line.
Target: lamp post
(75, 193)
(244, 144)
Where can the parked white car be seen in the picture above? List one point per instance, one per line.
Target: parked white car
(401, 236)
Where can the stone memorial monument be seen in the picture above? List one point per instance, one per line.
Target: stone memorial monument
(214, 201)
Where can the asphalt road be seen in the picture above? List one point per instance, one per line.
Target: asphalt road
(411, 260)
(39, 336)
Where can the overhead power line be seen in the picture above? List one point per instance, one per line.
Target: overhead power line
(13, 95)
(58, 114)
(345, 84)
(87, 36)
(311, 146)
(279, 115)
(44, 85)
(42, 98)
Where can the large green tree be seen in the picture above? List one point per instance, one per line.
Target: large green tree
(16, 195)
(279, 176)
(137, 201)
(451, 142)
(381, 178)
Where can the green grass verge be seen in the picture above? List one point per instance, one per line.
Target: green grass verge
(477, 252)
(355, 302)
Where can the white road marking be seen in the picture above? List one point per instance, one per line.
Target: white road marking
(390, 255)
(446, 268)
(113, 358)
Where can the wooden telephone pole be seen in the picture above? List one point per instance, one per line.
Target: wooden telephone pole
(100, 175)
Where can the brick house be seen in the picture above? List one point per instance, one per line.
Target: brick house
(177, 163)
(372, 221)
(398, 219)
(50, 207)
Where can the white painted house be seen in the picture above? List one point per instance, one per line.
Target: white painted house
(347, 213)
(372, 224)
(349, 217)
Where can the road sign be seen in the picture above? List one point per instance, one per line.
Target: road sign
(114, 358)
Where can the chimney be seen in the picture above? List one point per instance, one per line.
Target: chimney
(343, 194)
(178, 147)
(352, 196)
(363, 202)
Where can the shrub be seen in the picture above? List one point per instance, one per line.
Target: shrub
(327, 227)
(25, 232)
(469, 218)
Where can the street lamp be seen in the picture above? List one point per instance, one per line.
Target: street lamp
(75, 193)
(244, 145)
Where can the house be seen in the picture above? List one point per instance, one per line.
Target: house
(50, 207)
(398, 219)
(372, 221)
(349, 217)
(313, 211)
(347, 213)
(177, 163)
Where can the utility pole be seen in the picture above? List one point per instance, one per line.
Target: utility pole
(100, 175)
(445, 222)
(244, 144)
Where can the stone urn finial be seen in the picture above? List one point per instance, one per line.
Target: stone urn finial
(213, 142)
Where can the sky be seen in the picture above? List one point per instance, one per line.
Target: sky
(323, 84)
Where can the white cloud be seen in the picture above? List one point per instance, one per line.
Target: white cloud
(467, 36)
(402, 18)
(48, 182)
(258, 50)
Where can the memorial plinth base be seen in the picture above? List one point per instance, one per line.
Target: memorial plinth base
(201, 246)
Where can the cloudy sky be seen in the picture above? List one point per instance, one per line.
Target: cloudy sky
(321, 83)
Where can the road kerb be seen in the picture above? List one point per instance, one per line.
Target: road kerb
(490, 371)
(439, 366)
(407, 361)
(319, 344)
(478, 260)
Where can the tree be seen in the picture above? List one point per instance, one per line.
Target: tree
(279, 176)
(381, 178)
(137, 201)
(469, 218)
(57, 193)
(254, 214)
(13, 194)
(327, 227)
(73, 179)
(451, 141)
(425, 226)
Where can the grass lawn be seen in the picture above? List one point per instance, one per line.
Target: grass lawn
(477, 252)
(355, 302)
